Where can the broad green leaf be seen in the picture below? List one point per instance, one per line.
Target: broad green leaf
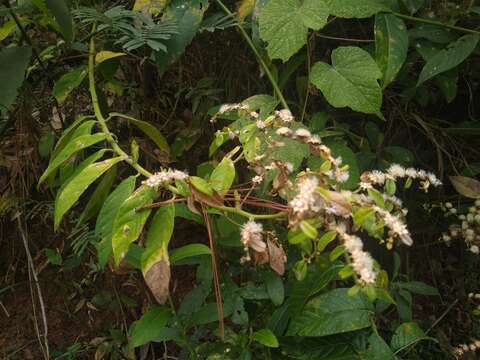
(265, 337)
(284, 25)
(466, 186)
(150, 326)
(275, 287)
(62, 16)
(448, 58)
(188, 15)
(356, 8)
(152, 132)
(201, 185)
(337, 252)
(332, 313)
(75, 145)
(350, 81)
(187, 251)
(98, 197)
(68, 82)
(296, 236)
(391, 45)
(107, 55)
(326, 239)
(70, 194)
(155, 261)
(362, 214)
(106, 217)
(80, 167)
(151, 7)
(69, 133)
(378, 349)
(129, 220)
(14, 62)
(418, 287)
(181, 210)
(308, 229)
(223, 175)
(377, 197)
(406, 335)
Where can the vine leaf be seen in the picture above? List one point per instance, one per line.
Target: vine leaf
(391, 45)
(130, 220)
(284, 25)
(350, 81)
(77, 144)
(68, 82)
(107, 215)
(62, 16)
(77, 185)
(331, 313)
(446, 59)
(155, 260)
(466, 186)
(150, 326)
(14, 62)
(356, 9)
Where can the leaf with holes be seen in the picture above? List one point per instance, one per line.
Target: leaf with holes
(284, 25)
(350, 81)
(155, 260)
(70, 194)
(130, 220)
(356, 8)
(391, 45)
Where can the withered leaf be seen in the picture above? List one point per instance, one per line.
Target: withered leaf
(214, 200)
(277, 257)
(157, 279)
(466, 186)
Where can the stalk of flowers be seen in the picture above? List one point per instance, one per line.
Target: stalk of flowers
(307, 202)
(165, 177)
(361, 261)
(394, 172)
(336, 171)
(226, 108)
(468, 226)
(396, 226)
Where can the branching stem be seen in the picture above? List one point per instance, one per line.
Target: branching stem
(437, 23)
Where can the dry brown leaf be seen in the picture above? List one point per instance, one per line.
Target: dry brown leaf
(466, 186)
(157, 279)
(214, 200)
(277, 257)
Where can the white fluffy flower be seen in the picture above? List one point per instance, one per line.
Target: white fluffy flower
(261, 124)
(307, 199)
(362, 262)
(284, 131)
(251, 234)
(396, 171)
(165, 176)
(303, 133)
(285, 115)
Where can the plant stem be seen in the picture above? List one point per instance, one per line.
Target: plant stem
(250, 43)
(99, 115)
(437, 23)
(250, 215)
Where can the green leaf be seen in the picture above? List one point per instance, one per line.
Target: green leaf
(106, 217)
(98, 197)
(155, 260)
(418, 287)
(70, 194)
(377, 197)
(391, 46)
(62, 16)
(150, 326)
(80, 167)
(265, 337)
(201, 185)
(7, 28)
(275, 288)
(223, 175)
(356, 8)
(326, 239)
(102, 56)
(378, 349)
(337, 252)
(75, 145)
(448, 58)
(14, 62)
(70, 132)
(54, 257)
(332, 313)
(350, 81)
(188, 16)
(284, 25)
(152, 132)
(129, 222)
(68, 82)
(308, 229)
(361, 215)
(406, 335)
(187, 251)
(296, 236)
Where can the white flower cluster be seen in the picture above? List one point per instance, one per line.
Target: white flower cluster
(397, 227)
(307, 200)
(252, 236)
(232, 107)
(362, 262)
(394, 172)
(164, 177)
(460, 350)
(285, 115)
(468, 227)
